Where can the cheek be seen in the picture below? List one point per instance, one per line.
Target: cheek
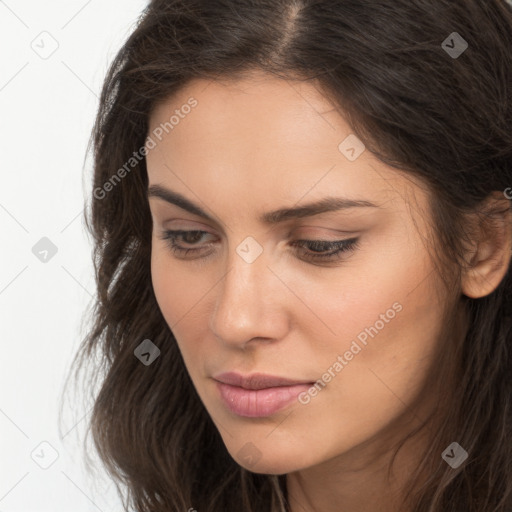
(387, 327)
(384, 377)
(177, 291)
(165, 282)
(385, 364)
(180, 295)
(375, 299)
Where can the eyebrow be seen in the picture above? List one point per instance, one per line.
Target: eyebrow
(327, 204)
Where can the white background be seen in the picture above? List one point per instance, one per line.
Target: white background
(47, 108)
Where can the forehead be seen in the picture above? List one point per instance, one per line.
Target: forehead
(257, 108)
(277, 140)
(260, 86)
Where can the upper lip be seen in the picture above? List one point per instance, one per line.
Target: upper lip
(256, 380)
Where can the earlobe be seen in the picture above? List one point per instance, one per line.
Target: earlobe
(489, 258)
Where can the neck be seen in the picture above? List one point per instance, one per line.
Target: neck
(359, 480)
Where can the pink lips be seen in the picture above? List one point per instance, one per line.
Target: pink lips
(258, 395)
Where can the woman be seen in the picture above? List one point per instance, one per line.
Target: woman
(302, 245)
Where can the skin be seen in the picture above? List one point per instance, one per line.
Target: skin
(260, 144)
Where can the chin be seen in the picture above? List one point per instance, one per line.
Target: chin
(271, 466)
(270, 458)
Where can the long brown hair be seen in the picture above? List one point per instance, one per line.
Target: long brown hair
(444, 118)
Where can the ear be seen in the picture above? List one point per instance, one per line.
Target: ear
(488, 258)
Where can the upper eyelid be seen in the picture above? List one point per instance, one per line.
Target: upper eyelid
(283, 226)
(205, 231)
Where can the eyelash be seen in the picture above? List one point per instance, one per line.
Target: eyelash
(341, 246)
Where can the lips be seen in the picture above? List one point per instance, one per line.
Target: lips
(257, 380)
(258, 395)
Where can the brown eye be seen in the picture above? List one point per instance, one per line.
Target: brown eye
(315, 249)
(189, 237)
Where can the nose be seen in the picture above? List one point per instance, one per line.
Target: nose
(251, 303)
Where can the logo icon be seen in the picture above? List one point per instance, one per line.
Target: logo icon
(44, 250)
(45, 45)
(44, 455)
(249, 454)
(454, 45)
(249, 249)
(454, 455)
(147, 352)
(351, 147)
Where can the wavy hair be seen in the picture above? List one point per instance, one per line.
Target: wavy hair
(445, 120)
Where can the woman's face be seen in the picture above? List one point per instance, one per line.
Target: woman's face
(254, 157)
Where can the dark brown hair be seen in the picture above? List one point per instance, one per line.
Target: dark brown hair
(445, 119)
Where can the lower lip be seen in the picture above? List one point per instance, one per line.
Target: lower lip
(259, 403)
